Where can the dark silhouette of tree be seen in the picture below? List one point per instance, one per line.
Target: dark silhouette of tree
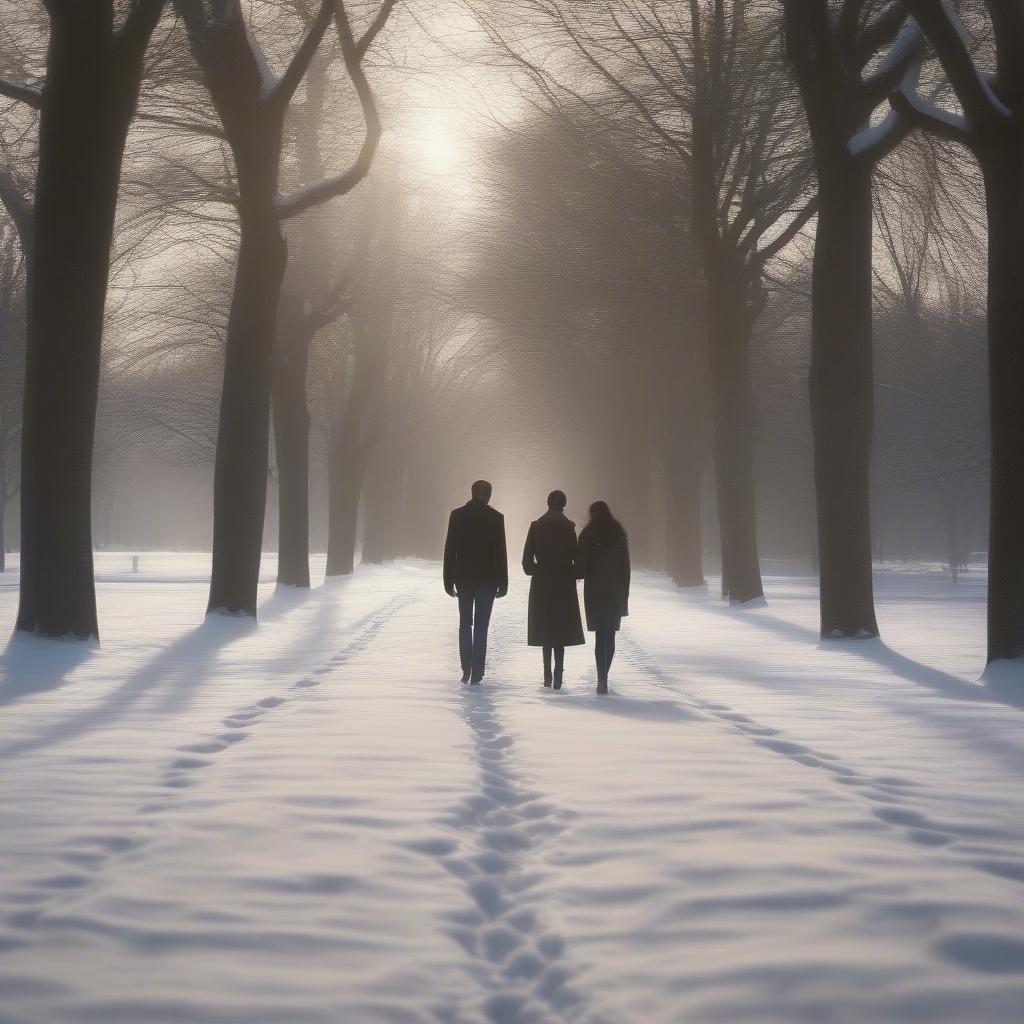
(252, 104)
(581, 262)
(354, 424)
(706, 85)
(311, 302)
(834, 53)
(990, 124)
(94, 68)
(12, 354)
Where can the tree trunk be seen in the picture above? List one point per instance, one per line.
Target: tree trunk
(841, 381)
(345, 484)
(729, 327)
(380, 521)
(1004, 181)
(291, 440)
(240, 472)
(4, 493)
(87, 105)
(684, 549)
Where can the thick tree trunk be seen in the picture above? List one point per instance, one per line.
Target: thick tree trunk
(841, 381)
(3, 489)
(88, 100)
(684, 549)
(1004, 180)
(380, 520)
(291, 440)
(733, 416)
(240, 472)
(345, 484)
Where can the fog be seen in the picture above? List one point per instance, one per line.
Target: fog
(530, 279)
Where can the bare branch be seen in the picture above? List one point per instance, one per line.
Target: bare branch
(907, 100)
(283, 92)
(28, 94)
(305, 199)
(366, 40)
(946, 34)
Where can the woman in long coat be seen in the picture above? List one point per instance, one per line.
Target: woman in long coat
(603, 565)
(549, 559)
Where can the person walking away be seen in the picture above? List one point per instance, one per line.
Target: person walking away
(549, 559)
(476, 572)
(603, 565)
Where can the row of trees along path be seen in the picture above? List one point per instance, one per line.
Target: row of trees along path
(94, 69)
(708, 85)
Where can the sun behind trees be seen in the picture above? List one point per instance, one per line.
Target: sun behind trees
(651, 210)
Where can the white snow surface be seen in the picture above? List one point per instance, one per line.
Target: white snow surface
(312, 820)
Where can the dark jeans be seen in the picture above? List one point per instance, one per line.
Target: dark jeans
(475, 604)
(604, 651)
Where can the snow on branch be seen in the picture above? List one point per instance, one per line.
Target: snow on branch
(944, 30)
(894, 65)
(877, 139)
(880, 30)
(907, 100)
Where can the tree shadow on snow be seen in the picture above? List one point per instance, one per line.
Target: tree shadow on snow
(282, 601)
(32, 665)
(183, 661)
(179, 670)
(879, 653)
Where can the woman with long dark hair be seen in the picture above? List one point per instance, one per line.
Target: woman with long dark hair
(603, 565)
(549, 559)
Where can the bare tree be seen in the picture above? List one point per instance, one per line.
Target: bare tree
(94, 67)
(705, 84)
(252, 103)
(990, 124)
(580, 261)
(834, 54)
(12, 354)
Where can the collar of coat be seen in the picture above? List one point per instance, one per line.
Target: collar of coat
(554, 515)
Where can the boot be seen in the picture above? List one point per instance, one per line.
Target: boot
(602, 685)
(557, 684)
(465, 675)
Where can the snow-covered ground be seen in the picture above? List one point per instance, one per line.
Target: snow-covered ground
(313, 821)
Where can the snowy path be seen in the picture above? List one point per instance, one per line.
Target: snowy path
(313, 821)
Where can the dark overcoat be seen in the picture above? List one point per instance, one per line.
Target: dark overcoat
(474, 550)
(603, 565)
(549, 559)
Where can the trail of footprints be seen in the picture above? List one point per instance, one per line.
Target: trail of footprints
(180, 771)
(92, 853)
(889, 791)
(519, 962)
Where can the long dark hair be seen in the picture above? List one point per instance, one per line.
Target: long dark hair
(603, 527)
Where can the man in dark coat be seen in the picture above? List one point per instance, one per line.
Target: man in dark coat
(476, 571)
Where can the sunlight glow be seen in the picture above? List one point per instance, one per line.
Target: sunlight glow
(437, 143)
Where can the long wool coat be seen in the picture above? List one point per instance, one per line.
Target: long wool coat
(603, 565)
(549, 559)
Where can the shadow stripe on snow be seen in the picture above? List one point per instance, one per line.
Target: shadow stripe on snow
(107, 850)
